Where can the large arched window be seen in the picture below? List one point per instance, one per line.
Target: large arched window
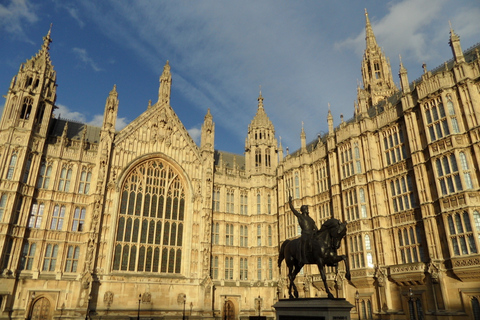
(150, 226)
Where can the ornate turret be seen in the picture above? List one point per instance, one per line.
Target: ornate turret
(260, 144)
(376, 72)
(303, 140)
(165, 85)
(455, 45)
(32, 93)
(403, 78)
(111, 110)
(330, 120)
(208, 133)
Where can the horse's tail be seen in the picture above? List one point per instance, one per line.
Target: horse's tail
(281, 254)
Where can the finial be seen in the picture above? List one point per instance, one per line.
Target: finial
(328, 106)
(424, 66)
(366, 11)
(50, 30)
(302, 125)
(260, 99)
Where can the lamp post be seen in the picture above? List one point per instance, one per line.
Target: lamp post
(139, 300)
(357, 297)
(410, 304)
(184, 302)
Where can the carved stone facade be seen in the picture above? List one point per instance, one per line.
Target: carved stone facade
(111, 224)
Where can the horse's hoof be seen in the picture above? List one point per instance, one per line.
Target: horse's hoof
(330, 296)
(348, 276)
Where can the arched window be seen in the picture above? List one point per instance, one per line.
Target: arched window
(258, 157)
(3, 204)
(11, 166)
(297, 186)
(26, 108)
(44, 176)
(259, 204)
(149, 233)
(84, 185)
(65, 177)
(269, 204)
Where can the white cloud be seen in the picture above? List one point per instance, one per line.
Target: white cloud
(403, 30)
(65, 113)
(84, 57)
(196, 134)
(220, 53)
(15, 14)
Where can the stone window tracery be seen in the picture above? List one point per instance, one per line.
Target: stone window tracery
(44, 176)
(57, 217)
(410, 244)
(149, 235)
(73, 254)
(243, 236)
(448, 174)
(402, 193)
(243, 203)
(84, 185)
(28, 254)
(243, 268)
(36, 215)
(11, 166)
(228, 268)
(437, 119)
(462, 235)
(50, 258)
(3, 204)
(78, 219)
(394, 145)
(65, 177)
(229, 235)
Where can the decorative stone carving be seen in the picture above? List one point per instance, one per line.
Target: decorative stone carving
(108, 298)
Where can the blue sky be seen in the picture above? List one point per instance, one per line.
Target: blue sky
(303, 54)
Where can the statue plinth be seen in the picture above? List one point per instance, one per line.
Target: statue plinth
(313, 309)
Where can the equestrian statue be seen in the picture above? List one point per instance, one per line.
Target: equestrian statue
(313, 247)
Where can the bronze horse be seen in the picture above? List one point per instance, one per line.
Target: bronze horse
(324, 245)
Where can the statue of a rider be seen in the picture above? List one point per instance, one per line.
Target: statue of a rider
(308, 230)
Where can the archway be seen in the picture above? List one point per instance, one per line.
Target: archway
(228, 311)
(41, 310)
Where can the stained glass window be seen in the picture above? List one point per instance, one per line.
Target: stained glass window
(151, 218)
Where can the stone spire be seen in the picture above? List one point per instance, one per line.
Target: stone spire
(369, 36)
(330, 120)
(403, 77)
(34, 83)
(165, 85)
(455, 45)
(208, 133)
(303, 140)
(111, 110)
(260, 144)
(376, 72)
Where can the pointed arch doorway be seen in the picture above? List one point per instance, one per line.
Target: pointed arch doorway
(228, 311)
(41, 310)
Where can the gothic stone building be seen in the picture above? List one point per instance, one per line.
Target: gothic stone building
(98, 223)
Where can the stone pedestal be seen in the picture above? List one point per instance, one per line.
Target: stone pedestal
(313, 309)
